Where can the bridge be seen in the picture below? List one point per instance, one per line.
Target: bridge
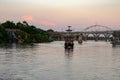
(94, 32)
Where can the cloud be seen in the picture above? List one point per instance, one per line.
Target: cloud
(27, 18)
(48, 23)
(40, 22)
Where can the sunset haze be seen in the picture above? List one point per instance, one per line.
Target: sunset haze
(57, 14)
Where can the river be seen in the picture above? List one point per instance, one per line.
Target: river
(49, 61)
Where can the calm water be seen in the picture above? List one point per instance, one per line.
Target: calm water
(49, 61)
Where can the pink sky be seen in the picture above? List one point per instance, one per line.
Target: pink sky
(58, 14)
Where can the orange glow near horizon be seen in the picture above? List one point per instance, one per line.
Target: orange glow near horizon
(48, 23)
(41, 22)
(27, 18)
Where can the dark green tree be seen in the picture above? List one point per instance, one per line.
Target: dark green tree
(27, 33)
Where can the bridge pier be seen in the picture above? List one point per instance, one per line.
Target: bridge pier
(62, 37)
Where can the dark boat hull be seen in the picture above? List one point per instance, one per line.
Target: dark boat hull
(69, 47)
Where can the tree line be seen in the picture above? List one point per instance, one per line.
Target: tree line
(26, 34)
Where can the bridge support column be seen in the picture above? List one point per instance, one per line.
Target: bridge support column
(84, 36)
(106, 37)
(62, 37)
(96, 36)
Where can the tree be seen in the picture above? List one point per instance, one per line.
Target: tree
(9, 24)
(50, 30)
(27, 33)
(3, 35)
(25, 23)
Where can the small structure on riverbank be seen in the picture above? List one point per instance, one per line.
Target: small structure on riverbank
(116, 38)
(80, 39)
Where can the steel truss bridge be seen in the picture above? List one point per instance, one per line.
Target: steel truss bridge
(94, 32)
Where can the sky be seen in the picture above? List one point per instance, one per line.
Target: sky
(58, 14)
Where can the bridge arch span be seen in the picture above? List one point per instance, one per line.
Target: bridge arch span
(97, 28)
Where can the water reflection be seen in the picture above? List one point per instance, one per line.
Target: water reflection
(116, 57)
(90, 61)
(14, 60)
(68, 53)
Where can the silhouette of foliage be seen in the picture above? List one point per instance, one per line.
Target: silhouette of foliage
(3, 35)
(27, 33)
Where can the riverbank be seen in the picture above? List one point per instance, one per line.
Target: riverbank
(21, 33)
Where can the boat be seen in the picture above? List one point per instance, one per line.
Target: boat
(69, 43)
